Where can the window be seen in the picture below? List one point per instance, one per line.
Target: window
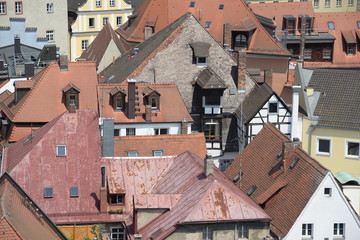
(316, 3)
(240, 40)
(119, 102)
(18, 8)
(358, 24)
(307, 230)
(49, 7)
(338, 3)
(118, 21)
(130, 132)
(105, 20)
(91, 22)
(117, 198)
(221, 6)
(157, 153)
(331, 25)
(132, 153)
(327, 3)
(290, 0)
(339, 229)
(323, 146)
(273, 107)
(98, 3)
(207, 233)
(2, 7)
(352, 149)
(350, 2)
(201, 61)
(112, 3)
(73, 100)
(161, 131)
(154, 101)
(84, 44)
(327, 192)
(48, 192)
(207, 24)
(212, 129)
(242, 231)
(326, 53)
(116, 132)
(212, 98)
(307, 53)
(225, 163)
(192, 4)
(290, 26)
(118, 233)
(50, 35)
(74, 192)
(350, 49)
(61, 150)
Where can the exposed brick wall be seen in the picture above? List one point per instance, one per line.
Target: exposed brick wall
(317, 51)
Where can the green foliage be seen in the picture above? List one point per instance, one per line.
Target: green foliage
(96, 230)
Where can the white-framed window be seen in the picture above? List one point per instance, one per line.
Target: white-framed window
(50, 36)
(60, 150)
(316, 3)
(118, 20)
(18, 8)
(307, 230)
(201, 61)
(327, 191)
(350, 2)
(117, 233)
(132, 153)
(84, 44)
(323, 146)
(158, 153)
(91, 22)
(112, 3)
(338, 3)
(49, 7)
(327, 3)
(2, 7)
(98, 3)
(307, 53)
(350, 49)
(326, 53)
(105, 20)
(352, 149)
(161, 131)
(273, 107)
(130, 132)
(339, 230)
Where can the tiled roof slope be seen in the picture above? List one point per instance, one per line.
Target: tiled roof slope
(160, 13)
(204, 199)
(339, 102)
(97, 48)
(20, 217)
(172, 106)
(254, 102)
(283, 191)
(171, 145)
(129, 62)
(44, 101)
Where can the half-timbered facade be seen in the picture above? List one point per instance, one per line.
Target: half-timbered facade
(262, 105)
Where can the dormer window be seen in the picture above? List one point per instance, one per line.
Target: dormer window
(200, 53)
(240, 40)
(289, 24)
(152, 98)
(71, 93)
(118, 99)
(349, 42)
(308, 23)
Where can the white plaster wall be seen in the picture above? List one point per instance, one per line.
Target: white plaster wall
(323, 211)
(112, 52)
(353, 193)
(148, 129)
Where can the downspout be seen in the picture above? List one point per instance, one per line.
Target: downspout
(310, 137)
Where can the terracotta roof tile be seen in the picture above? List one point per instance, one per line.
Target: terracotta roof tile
(171, 145)
(282, 190)
(24, 83)
(7, 231)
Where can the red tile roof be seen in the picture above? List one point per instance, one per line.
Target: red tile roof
(160, 13)
(172, 106)
(171, 145)
(7, 231)
(282, 190)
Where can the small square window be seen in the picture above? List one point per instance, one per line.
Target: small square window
(201, 61)
(98, 3)
(323, 146)
(352, 149)
(192, 4)
(207, 24)
(327, 192)
(273, 107)
(48, 192)
(74, 192)
(130, 132)
(116, 132)
(157, 153)
(132, 153)
(105, 20)
(221, 6)
(117, 198)
(61, 151)
(331, 25)
(112, 3)
(338, 3)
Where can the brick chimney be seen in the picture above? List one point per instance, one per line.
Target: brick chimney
(227, 34)
(63, 63)
(103, 191)
(148, 113)
(131, 98)
(184, 126)
(17, 46)
(208, 166)
(288, 147)
(148, 31)
(241, 67)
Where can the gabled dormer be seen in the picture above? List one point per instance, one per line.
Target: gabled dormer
(152, 98)
(308, 23)
(200, 53)
(289, 24)
(71, 97)
(117, 99)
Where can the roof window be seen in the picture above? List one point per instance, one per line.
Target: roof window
(251, 190)
(331, 25)
(207, 24)
(221, 6)
(192, 4)
(74, 192)
(48, 192)
(61, 151)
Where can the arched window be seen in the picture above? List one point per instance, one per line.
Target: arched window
(240, 40)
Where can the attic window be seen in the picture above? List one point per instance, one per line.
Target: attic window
(331, 25)
(327, 192)
(74, 192)
(207, 24)
(153, 99)
(117, 198)
(71, 97)
(273, 107)
(240, 40)
(48, 192)
(200, 53)
(221, 6)
(251, 190)
(192, 4)
(61, 151)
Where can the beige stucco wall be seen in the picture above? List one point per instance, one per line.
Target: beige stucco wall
(144, 216)
(112, 52)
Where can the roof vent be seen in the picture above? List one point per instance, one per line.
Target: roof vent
(294, 162)
(251, 190)
(237, 177)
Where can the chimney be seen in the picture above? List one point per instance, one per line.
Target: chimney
(148, 31)
(288, 148)
(268, 76)
(63, 63)
(103, 191)
(295, 112)
(227, 34)
(108, 137)
(184, 126)
(148, 113)
(29, 70)
(208, 166)
(17, 45)
(241, 70)
(131, 98)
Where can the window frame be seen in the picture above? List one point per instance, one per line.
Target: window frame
(117, 20)
(98, 3)
(207, 24)
(130, 131)
(50, 35)
(328, 191)
(50, 7)
(347, 149)
(119, 199)
(158, 151)
(339, 230)
(84, 44)
(18, 8)
(72, 193)
(105, 20)
(46, 194)
(350, 49)
(307, 53)
(316, 3)
(327, 3)
(192, 4)
(317, 146)
(326, 53)
(58, 153)
(307, 227)
(242, 39)
(277, 108)
(3, 8)
(212, 125)
(91, 22)
(160, 131)
(221, 7)
(201, 61)
(118, 237)
(338, 3)
(132, 153)
(112, 3)
(350, 2)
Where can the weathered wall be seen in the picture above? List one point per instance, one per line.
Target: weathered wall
(146, 215)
